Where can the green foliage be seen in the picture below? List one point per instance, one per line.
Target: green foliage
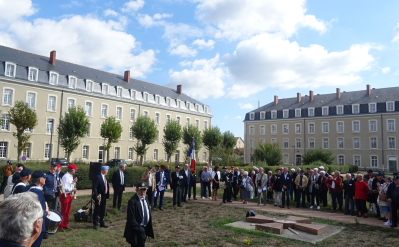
(145, 131)
(22, 117)
(229, 141)
(171, 137)
(324, 155)
(112, 131)
(73, 127)
(212, 138)
(188, 133)
(270, 153)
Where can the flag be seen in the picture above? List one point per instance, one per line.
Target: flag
(191, 154)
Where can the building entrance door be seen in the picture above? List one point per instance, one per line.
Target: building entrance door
(101, 154)
(298, 159)
(392, 164)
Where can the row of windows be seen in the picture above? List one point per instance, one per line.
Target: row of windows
(341, 160)
(10, 70)
(372, 108)
(325, 127)
(373, 141)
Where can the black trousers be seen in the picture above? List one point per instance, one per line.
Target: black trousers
(307, 194)
(336, 196)
(349, 203)
(361, 206)
(394, 208)
(270, 194)
(323, 197)
(185, 190)
(3, 185)
(206, 185)
(194, 189)
(234, 190)
(99, 211)
(51, 202)
(177, 196)
(140, 242)
(286, 193)
(299, 193)
(315, 195)
(117, 195)
(150, 195)
(226, 194)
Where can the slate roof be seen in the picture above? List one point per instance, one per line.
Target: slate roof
(64, 69)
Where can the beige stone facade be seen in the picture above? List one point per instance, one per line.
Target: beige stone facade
(240, 143)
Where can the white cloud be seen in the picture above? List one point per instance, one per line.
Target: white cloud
(396, 31)
(11, 11)
(247, 106)
(385, 70)
(149, 21)
(271, 61)
(185, 63)
(132, 6)
(110, 12)
(72, 4)
(202, 44)
(203, 80)
(226, 117)
(237, 19)
(83, 40)
(238, 117)
(183, 51)
(161, 16)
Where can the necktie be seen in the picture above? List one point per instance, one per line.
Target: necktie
(122, 178)
(105, 184)
(145, 213)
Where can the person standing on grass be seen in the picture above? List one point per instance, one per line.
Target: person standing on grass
(118, 183)
(377, 182)
(269, 186)
(261, 184)
(100, 196)
(168, 171)
(149, 177)
(336, 191)
(285, 179)
(206, 180)
(393, 198)
(277, 188)
(139, 218)
(247, 188)
(176, 187)
(211, 172)
(349, 193)
(361, 189)
(66, 199)
(301, 183)
(385, 209)
(240, 177)
(7, 172)
(193, 185)
(226, 177)
(234, 182)
(292, 191)
(186, 173)
(162, 180)
(50, 188)
(215, 183)
(323, 188)
(314, 189)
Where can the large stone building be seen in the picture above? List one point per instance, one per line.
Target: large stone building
(359, 127)
(51, 86)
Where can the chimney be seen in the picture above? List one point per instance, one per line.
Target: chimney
(298, 97)
(180, 89)
(275, 99)
(53, 57)
(338, 93)
(127, 76)
(310, 95)
(368, 90)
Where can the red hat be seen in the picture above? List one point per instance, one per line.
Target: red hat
(232, 167)
(59, 166)
(72, 166)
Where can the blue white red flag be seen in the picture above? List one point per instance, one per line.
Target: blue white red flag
(191, 154)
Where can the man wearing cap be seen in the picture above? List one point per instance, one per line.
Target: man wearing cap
(301, 183)
(176, 187)
(277, 188)
(66, 199)
(7, 171)
(162, 179)
(18, 169)
(59, 171)
(38, 180)
(118, 183)
(100, 195)
(149, 177)
(226, 177)
(139, 218)
(20, 185)
(186, 173)
(50, 188)
(321, 168)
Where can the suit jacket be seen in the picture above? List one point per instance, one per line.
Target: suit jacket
(276, 182)
(99, 188)
(338, 184)
(166, 178)
(175, 180)
(285, 181)
(263, 180)
(116, 181)
(349, 187)
(186, 179)
(61, 174)
(134, 233)
(193, 180)
(224, 179)
(304, 182)
(48, 187)
(234, 178)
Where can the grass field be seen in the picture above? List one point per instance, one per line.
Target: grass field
(200, 224)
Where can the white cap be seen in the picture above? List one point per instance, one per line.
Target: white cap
(292, 169)
(321, 167)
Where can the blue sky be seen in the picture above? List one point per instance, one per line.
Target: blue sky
(227, 53)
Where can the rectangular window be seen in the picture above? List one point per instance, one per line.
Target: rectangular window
(205, 125)
(72, 82)
(340, 127)
(285, 129)
(88, 130)
(157, 136)
(132, 94)
(33, 74)
(3, 149)
(391, 142)
(298, 128)
(285, 143)
(146, 97)
(391, 125)
(274, 114)
(188, 105)
(340, 110)
(53, 78)
(85, 154)
(251, 130)
(178, 120)
(340, 143)
(325, 111)
(356, 160)
(262, 130)
(167, 119)
(372, 108)
(311, 112)
(274, 129)
(47, 151)
(51, 103)
(49, 126)
(119, 92)
(311, 128)
(252, 116)
(197, 123)
(251, 143)
(26, 151)
(273, 141)
(355, 109)
(132, 114)
(156, 118)
(298, 143)
(130, 154)
(10, 70)
(5, 125)
(117, 152)
(262, 141)
(177, 156)
(374, 161)
(203, 157)
(356, 126)
(373, 142)
(356, 143)
(325, 143)
(88, 106)
(341, 160)
(104, 89)
(89, 86)
(70, 103)
(187, 122)
(311, 143)
(145, 113)
(391, 106)
(262, 115)
(325, 128)
(285, 158)
(7, 96)
(130, 133)
(297, 112)
(168, 102)
(119, 113)
(179, 106)
(285, 113)
(373, 126)
(104, 111)
(31, 99)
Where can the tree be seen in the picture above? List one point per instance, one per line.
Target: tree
(172, 134)
(22, 117)
(212, 138)
(189, 132)
(111, 130)
(324, 155)
(229, 141)
(73, 127)
(270, 153)
(145, 131)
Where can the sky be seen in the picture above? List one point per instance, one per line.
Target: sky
(228, 54)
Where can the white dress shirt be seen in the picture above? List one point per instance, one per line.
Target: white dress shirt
(142, 209)
(122, 177)
(67, 181)
(150, 180)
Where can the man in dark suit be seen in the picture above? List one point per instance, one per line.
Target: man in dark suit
(50, 188)
(139, 218)
(285, 180)
(193, 185)
(234, 182)
(176, 187)
(226, 177)
(100, 195)
(349, 193)
(118, 183)
(162, 179)
(277, 187)
(186, 173)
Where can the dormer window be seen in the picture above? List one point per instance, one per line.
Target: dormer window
(285, 113)
(340, 110)
(355, 109)
(157, 99)
(251, 116)
(33, 74)
(72, 82)
(89, 86)
(297, 112)
(311, 112)
(188, 105)
(168, 102)
(262, 115)
(53, 78)
(206, 109)
(145, 97)
(132, 94)
(10, 69)
(324, 111)
(197, 107)
(104, 89)
(119, 92)
(372, 108)
(390, 106)
(178, 104)
(274, 114)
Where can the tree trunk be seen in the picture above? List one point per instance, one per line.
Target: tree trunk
(69, 156)
(141, 160)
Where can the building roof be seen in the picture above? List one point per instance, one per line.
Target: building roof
(82, 73)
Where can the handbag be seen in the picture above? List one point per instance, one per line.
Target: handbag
(222, 185)
(382, 197)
